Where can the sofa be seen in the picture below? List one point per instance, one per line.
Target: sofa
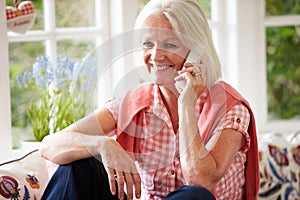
(24, 177)
(279, 154)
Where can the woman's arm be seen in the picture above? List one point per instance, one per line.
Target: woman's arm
(86, 138)
(202, 166)
(80, 140)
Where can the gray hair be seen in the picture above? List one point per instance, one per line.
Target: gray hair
(188, 19)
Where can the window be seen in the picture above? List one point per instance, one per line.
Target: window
(282, 44)
(246, 37)
(205, 4)
(282, 25)
(61, 28)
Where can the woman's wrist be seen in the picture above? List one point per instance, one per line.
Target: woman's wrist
(97, 144)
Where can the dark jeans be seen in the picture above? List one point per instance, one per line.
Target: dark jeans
(87, 179)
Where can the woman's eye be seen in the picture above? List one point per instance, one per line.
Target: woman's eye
(147, 44)
(170, 45)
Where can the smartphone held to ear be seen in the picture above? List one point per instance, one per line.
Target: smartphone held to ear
(191, 58)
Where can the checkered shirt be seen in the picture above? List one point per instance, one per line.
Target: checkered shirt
(159, 161)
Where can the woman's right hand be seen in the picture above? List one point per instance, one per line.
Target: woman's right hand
(121, 170)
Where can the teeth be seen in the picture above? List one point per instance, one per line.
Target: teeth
(158, 68)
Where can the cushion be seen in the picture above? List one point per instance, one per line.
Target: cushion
(23, 178)
(279, 166)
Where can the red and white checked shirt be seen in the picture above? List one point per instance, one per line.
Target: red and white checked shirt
(159, 165)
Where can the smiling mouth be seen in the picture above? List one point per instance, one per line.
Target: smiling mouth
(160, 67)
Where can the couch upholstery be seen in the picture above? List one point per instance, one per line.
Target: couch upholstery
(23, 178)
(279, 166)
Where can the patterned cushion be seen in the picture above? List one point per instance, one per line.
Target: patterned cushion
(279, 166)
(23, 178)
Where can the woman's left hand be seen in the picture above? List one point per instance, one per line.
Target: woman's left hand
(194, 74)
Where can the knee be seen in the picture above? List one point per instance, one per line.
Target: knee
(92, 166)
(190, 193)
(200, 192)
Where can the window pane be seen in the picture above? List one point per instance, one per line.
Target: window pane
(21, 56)
(282, 7)
(141, 4)
(75, 14)
(76, 49)
(39, 19)
(283, 72)
(205, 4)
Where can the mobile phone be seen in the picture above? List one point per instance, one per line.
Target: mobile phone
(191, 58)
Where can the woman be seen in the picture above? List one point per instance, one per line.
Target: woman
(189, 142)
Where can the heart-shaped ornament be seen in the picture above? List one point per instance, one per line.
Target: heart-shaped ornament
(21, 18)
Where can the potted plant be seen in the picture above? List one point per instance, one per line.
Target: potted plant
(57, 92)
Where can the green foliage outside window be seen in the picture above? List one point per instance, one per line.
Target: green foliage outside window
(282, 7)
(205, 4)
(283, 62)
(283, 72)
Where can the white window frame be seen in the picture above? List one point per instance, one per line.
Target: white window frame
(286, 126)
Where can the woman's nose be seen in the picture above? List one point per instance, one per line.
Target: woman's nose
(157, 54)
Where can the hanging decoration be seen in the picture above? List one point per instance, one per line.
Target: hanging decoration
(21, 17)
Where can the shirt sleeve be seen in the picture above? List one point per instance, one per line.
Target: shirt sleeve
(237, 118)
(113, 106)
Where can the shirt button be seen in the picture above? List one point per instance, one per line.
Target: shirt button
(172, 172)
(238, 120)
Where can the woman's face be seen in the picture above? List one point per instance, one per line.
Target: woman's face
(162, 49)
